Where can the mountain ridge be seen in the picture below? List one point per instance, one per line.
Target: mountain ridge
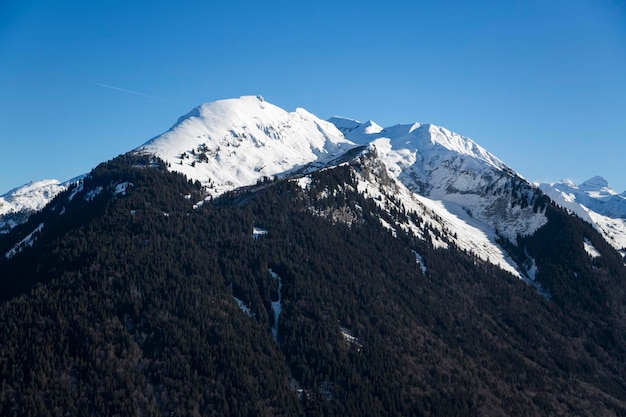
(237, 142)
(595, 202)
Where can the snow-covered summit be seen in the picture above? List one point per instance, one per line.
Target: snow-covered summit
(475, 195)
(426, 139)
(596, 202)
(17, 204)
(595, 194)
(445, 166)
(235, 142)
(347, 126)
(597, 187)
(32, 196)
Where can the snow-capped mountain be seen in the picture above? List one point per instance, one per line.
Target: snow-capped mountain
(476, 196)
(468, 194)
(224, 144)
(444, 166)
(595, 202)
(232, 143)
(364, 269)
(17, 204)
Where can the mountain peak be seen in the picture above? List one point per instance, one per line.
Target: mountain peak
(32, 196)
(423, 138)
(231, 143)
(346, 126)
(597, 184)
(595, 202)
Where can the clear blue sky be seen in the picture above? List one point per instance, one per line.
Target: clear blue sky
(541, 84)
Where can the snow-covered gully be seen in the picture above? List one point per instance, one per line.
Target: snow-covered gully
(276, 305)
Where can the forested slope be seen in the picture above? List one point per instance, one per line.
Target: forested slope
(127, 304)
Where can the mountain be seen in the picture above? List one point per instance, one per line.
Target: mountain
(237, 142)
(232, 143)
(595, 202)
(358, 270)
(225, 145)
(19, 203)
(480, 198)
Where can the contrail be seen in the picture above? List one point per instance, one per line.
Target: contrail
(137, 93)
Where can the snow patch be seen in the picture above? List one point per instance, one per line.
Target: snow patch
(531, 270)
(276, 305)
(243, 306)
(93, 193)
(350, 339)
(304, 182)
(122, 187)
(27, 241)
(257, 232)
(590, 249)
(75, 191)
(420, 261)
(389, 227)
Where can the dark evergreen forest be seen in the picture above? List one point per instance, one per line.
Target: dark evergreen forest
(126, 304)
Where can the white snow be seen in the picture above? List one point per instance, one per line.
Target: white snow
(26, 199)
(232, 143)
(389, 227)
(243, 306)
(442, 165)
(257, 232)
(420, 261)
(448, 218)
(346, 126)
(466, 188)
(304, 182)
(532, 270)
(122, 187)
(350, 339)
(276, 305)
(32, 196)
(596, 203)
(598, 187)
(423, 140)
(29, 198)
(93, 193)
(471, 234)
(590, 249)
(27, 241)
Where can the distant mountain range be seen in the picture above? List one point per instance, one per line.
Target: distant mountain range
(595, 202)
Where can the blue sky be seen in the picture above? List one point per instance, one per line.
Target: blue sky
(541, 84)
